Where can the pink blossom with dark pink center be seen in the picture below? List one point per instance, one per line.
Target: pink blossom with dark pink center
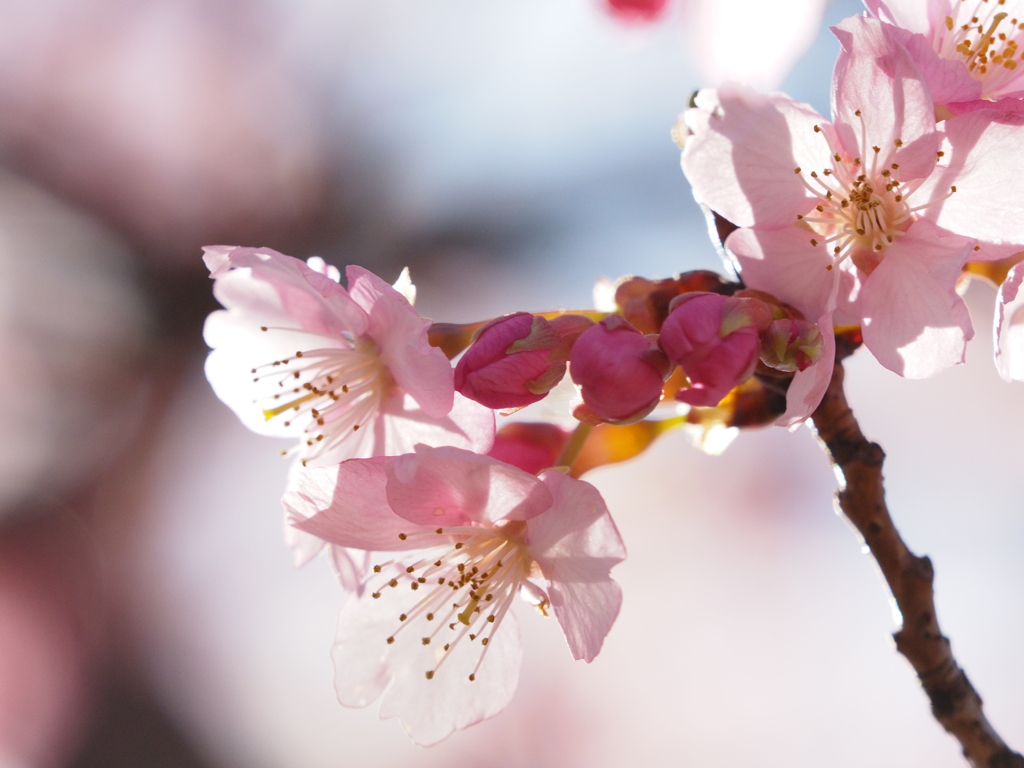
(517, 359)
(716, 340)
(870, 218)
(433, 636)
(350, 373)
(620, 371)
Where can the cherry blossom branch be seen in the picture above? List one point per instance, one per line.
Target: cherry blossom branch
(955, 703)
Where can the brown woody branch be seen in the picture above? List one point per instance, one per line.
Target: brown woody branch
(955, 703)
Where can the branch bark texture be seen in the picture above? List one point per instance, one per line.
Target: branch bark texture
(954, 701)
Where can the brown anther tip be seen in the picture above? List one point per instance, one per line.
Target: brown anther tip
(857, 113)
(425, 641)
(817, 129)
(421, 580)
(415, 585)
(485, 641)
(799, 216)
(298, 354)
(977, 247)
(391, 640)
(410, 569)
(458, 545)
(813, 241)
(402, 536)
(829, 267)
(355, 427)
(375, 595)
(430, 675)
(797, 171)
(940, 153)
(403, 617)
(263, 327)
(952, 189)
(430, 617)
(393, 583)
(472, 638)
(472, 678)
(447, 646)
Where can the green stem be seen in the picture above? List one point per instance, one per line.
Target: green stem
(575, 445)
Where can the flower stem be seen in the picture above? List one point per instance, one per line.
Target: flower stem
(572, 448)
(955, 703)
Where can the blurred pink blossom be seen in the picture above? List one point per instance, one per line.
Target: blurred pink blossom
(435, 636)
(750, 41)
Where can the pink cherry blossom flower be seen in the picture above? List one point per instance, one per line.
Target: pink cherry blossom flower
(434, 636)
(865, 217)
(348, 373)
(620, 372)
(964, 50)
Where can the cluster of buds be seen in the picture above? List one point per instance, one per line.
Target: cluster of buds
(712, 341)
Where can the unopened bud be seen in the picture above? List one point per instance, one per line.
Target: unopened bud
(517, 359)
(716, 340)
(791, 344)
(620, 372)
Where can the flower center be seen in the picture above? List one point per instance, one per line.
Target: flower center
(986, 38)
(862, 208)
(332, 391)
(464, 589)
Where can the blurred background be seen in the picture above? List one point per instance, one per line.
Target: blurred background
(509, 152)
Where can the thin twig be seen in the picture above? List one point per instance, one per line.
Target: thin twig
(955, 702)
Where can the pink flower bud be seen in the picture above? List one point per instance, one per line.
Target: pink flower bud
(715, 340)
(516, 360)
(620, 372)
(531, 446)
(791, 345)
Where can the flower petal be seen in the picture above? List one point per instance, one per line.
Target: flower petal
(915, 323)
(401, 335)
(365, 664)
(984, 159)
(783, 262)
(1009, 326)
(347, 506)
(449, 486)
(876, 77)
(744, 150)
(310, 300)
(948, 79)
(913, 15)
(576, 544)
(401, 424)
(809, 385)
